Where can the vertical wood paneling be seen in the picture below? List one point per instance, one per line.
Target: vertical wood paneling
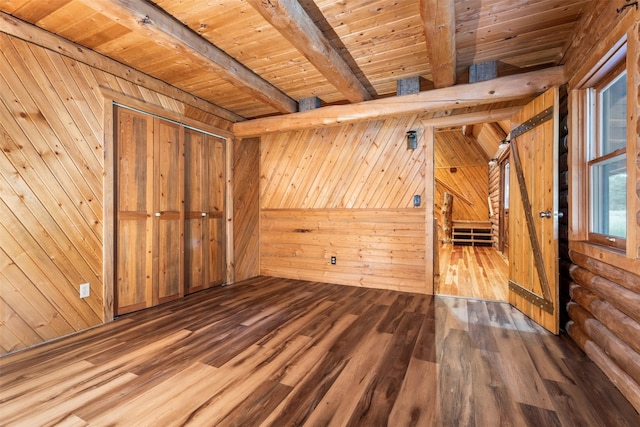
(52, 188)
(345, 191)
(246, 207)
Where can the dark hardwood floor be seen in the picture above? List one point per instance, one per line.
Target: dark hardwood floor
(283, 352)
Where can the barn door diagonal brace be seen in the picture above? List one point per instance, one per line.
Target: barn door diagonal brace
(545, 302)
(533, 298)
(534, 121)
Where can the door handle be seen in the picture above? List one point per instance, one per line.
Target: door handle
(548, 214)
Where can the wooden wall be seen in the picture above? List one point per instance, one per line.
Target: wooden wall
(489, 136)
(52, 171)
(246, 208)
(347, 191)
(605, 288)
(461, 169)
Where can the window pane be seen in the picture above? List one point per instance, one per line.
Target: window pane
(614, 115)
(609, 197)
(507, 170)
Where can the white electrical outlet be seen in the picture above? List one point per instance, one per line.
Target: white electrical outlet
(85, 290)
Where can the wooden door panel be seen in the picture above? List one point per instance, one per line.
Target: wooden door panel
(193, 171)
(135, 132)
(217, 260)
(134, 188)
(215, 245)
(169, 278)
(216, 176)
(204, 205)
(193, 254)
(194, 176)
(171, 187)
(168, 176)
(133, 284)
(533, 268)
(168, 191)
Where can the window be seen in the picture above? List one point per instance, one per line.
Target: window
(607, 163)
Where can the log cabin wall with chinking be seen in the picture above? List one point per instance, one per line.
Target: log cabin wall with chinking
(605, 282)
(58, 193)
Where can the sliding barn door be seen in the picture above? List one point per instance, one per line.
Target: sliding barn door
(533, 246)
(204, 206)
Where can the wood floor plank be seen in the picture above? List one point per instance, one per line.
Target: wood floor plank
(417, 404)
(496, 406)
(354, 383)
(473, 272)
(280, 352)
(457, 402)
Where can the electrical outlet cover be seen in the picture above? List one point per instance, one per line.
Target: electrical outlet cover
(85, 290)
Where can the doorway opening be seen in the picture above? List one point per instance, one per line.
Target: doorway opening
(469, 207)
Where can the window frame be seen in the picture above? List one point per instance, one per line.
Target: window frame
(616, 66)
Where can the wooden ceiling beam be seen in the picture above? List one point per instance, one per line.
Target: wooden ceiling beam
(439, 22)
(141, 16)
(295, 25)
(17, 28)
(506, 88)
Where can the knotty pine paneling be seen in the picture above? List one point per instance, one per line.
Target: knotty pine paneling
(357, 166)
(373, 248)
(345, 191)
(461, 169)
(52, 189)
(246, 208)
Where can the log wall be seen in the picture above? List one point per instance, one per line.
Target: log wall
(495, 188)
(605, 320)
(53, 122)
(347, 192)
(605, 288)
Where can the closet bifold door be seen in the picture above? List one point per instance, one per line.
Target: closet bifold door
(149, 209)
(168, 262)
(204, 207)
(134, 220)
(217, 272)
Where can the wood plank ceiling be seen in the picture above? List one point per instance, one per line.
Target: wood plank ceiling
(260, 57)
